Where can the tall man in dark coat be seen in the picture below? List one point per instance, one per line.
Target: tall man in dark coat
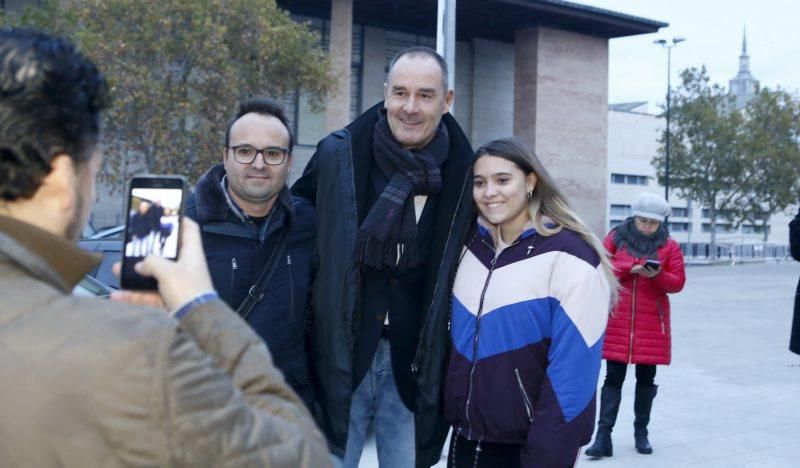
(393, 198)
(244, 207)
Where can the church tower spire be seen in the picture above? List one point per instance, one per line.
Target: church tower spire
(743, 86)
(744, 59)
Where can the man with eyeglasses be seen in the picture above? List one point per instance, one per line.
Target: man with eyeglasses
(258, 239)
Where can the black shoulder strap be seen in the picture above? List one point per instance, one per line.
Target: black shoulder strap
(256, 292)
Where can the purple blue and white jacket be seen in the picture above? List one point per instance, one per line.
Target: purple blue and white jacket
(527, 331)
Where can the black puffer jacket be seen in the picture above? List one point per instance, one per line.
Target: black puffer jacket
(336, 180)
(237, 252)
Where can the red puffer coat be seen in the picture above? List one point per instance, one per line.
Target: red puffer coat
(638, 331)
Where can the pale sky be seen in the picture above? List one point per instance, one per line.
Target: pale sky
(713, 32)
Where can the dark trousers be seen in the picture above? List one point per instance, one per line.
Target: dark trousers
(615, 374)
(464, 453)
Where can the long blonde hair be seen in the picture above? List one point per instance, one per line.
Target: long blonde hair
(548, 201)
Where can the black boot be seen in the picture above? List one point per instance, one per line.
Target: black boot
(609, 406)
(641, 409)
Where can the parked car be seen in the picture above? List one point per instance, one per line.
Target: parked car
(108, 243)
(89, 286)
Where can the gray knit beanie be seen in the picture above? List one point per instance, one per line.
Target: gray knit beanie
(652, 206)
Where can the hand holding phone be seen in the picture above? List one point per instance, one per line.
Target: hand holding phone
(178, 281)
(154, 208)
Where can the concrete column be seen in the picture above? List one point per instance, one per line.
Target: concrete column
(337, 113)
(560, 110)
(374, 63)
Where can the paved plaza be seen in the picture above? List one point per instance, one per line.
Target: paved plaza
(731, 397)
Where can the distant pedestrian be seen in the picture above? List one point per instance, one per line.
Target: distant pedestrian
(529, 306)
(140, 230)
(154, 215)
(165, 230)
(639, 329)
(794, 243)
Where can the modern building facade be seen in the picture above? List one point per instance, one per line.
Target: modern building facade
(537, 69)
(633, 134)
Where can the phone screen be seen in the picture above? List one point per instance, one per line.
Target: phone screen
(155, 207)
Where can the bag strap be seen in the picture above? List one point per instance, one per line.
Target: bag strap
(256, 292)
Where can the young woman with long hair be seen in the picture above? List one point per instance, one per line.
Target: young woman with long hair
(530, 302)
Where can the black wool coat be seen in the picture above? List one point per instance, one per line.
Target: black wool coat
(336, 181)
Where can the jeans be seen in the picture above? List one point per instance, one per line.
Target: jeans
(615, 374)
(376, 399)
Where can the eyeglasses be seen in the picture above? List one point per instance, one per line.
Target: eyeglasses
(271, 155)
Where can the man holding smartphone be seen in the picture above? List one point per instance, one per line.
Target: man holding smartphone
(88, 382)
(259, 239)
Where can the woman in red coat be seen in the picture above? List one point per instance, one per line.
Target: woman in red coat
(649, 265)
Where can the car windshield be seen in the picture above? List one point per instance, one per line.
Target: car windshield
(88, 231)
(114, 232)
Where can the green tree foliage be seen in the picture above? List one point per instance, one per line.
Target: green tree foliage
(177, 69)
(706, 163)
(770, 142)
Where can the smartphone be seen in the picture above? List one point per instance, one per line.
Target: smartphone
(154, 210)
(651, 264)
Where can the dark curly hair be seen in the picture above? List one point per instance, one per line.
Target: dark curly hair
(51, 97)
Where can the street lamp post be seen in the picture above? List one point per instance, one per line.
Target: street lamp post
(668, 45)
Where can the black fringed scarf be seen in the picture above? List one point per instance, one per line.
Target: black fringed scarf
(637, 244)
(387, 239)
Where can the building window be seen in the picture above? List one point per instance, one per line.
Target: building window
(309, 126)
(679, 227)
(620, 210)
(396, 42)
(753, 229)
(680, 212)
(720, 213)
(720, 227)
(614, 223)
(628, 179)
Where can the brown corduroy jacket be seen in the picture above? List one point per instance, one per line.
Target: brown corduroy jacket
(89, 382)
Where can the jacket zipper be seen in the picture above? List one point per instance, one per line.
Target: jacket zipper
(417, 353)
(475, 344)
(660, 316)
(291, 285)
(633, 320)
(525, 399)
(234, 267)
